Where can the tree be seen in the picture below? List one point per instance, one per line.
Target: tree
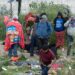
(19, 6)
(4, 10)
(50, 8)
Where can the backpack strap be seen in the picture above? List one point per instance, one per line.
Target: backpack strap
(48, 28)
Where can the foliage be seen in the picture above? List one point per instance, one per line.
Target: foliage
(21, 18)
(63, 66)
(4, 10)
(2, 31)
(50, 8)
(22, 21)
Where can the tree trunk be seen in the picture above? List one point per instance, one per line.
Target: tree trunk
(19, 6)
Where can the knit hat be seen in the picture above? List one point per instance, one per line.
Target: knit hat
(15, 17)
(45, 47)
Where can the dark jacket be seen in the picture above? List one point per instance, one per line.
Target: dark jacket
(59, 24)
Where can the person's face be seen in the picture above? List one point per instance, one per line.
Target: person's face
(43, 20)
(59, 16)
(46, 50)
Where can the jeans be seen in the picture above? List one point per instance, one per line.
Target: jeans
(41, 42)
(13, 50)
(27, 47)
(44, 70)
(32, 45)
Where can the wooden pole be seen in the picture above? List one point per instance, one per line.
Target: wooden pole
(19, 6)
(11, 9)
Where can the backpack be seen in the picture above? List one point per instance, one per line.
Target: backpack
(48, 28)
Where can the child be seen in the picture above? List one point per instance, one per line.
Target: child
(46, 56)
(14, 36)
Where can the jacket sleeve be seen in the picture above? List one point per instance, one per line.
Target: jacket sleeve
(50, 29)
(67, 23)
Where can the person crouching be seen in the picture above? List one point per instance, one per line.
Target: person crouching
(46, 56)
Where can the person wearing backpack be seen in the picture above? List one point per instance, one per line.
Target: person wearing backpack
(59, 30)
(70, 27)
(43, 30)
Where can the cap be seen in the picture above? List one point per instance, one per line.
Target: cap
(44, 17)
(15, 17)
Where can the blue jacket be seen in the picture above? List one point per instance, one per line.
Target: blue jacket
(43, 29)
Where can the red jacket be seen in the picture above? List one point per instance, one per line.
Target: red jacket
(21, 35)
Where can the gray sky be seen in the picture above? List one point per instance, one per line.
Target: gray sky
(25, 3)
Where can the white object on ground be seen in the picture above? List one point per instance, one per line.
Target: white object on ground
(3, 68)
(70, 68)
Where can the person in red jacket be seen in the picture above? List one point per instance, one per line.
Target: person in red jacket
(29, 18)
(14, 36)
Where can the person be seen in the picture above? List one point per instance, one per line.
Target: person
(27, 40)
(43, 30)
(45, 56)
(33, 37)
(59, 30)
(29, 18)
(14, 36)
(70, 27)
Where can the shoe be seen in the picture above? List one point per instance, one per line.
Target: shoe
(31, 55)
(15, 58)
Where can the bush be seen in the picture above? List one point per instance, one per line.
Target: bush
(2, 31)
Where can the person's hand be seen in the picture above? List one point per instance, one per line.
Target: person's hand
(70, 19)
(53, 61)
(49, 66)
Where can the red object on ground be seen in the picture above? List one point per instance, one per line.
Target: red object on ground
(14, 59)
(55, 66)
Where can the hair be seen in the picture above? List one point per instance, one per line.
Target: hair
(45, 47)
(42, 15)
(37, 19)
(52, 45)
(60, 14)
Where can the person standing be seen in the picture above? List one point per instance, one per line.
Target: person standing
(33, 37)
(14, 36)
(70, 26)
(43, 30)
(59, 30)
